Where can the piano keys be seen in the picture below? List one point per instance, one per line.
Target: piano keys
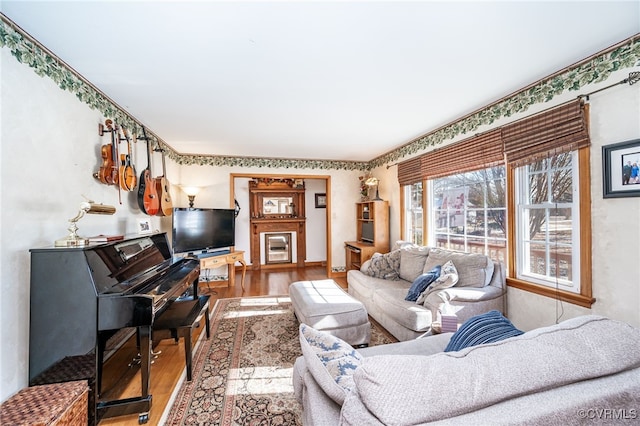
(82, 296)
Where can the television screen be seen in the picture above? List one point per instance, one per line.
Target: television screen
(367, 232)
(200, 230)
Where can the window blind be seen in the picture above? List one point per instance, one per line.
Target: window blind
(546, 134)
(479, 152)
(409, 172)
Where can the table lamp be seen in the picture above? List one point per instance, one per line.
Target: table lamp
(73, 240)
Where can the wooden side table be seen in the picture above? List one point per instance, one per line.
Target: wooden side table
(228, 259)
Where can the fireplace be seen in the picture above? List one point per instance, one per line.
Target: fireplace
(277, 248)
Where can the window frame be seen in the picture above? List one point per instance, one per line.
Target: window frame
(404, 226)
(584, 297)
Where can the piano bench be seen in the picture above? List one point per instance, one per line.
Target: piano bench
(179, 320)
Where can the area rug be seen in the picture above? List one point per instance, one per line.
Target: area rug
(242, 374)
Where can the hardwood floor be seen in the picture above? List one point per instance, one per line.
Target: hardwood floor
(124, 381)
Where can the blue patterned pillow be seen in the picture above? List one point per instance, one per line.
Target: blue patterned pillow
(330, 360)
(489, 327)
(421, 283)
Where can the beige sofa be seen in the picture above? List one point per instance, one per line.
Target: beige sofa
(583, 370)
(383, 282)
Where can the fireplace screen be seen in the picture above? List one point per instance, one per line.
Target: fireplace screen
(277, 248)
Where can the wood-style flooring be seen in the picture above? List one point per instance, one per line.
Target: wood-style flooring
(124, 381)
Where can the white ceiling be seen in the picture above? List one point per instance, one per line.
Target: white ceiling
(335, 80)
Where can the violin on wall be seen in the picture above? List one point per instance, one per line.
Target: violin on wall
(108, 173)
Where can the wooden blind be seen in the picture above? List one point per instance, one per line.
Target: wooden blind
(409, 172)
(479, 152)
(546, 134)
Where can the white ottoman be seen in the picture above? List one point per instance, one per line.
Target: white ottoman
(324, 306)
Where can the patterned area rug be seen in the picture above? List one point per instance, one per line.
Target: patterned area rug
(242, 374)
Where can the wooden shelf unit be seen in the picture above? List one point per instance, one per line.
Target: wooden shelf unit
(375, 214)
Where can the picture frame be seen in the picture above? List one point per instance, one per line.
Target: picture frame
(144, 226)
(321, 201)
(621, 169)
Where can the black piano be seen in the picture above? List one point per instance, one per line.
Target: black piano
(83, 296)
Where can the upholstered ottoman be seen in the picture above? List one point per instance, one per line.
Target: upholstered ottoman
(324, 306)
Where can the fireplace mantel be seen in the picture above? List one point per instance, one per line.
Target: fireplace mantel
(289, 216)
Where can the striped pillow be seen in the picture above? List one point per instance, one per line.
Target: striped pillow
(489, 327)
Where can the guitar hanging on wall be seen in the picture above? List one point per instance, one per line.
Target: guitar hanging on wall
(128, 179)
(162, 186)
(148, 200)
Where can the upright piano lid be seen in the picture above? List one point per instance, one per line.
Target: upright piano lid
(120, 266)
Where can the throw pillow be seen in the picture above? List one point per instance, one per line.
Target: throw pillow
(330, 360)
(489, 327)
(385, 266)
(421, 283)
(412, 262)
(448, 278)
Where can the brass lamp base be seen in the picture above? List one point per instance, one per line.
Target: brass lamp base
(72, 240)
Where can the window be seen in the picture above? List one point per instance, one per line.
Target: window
(548, 222)
(413, 217)
(468, 212)
(533, 214)
(551, 209)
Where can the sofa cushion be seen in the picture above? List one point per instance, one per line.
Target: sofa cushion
(330, 360)
(365, 286)
(489, 327)
(578, 349)
(448, 278)
(386, 266)
(390, 300)
(421, 283)
(412, 261)
(474, 270)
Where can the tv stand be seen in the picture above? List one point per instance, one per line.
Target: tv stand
(206, 254)
(358, 252)
(217, 259)
(376, 215)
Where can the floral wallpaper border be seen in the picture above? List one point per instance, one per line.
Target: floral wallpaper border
(44, 63)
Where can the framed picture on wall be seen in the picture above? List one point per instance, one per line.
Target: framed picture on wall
(321, 201)
(144, 226)
(621, 169)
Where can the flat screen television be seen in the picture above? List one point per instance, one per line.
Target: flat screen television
(366, 232)
(202, 230)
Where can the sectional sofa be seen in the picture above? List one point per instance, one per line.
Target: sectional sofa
(584, 370)
(383, 282)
